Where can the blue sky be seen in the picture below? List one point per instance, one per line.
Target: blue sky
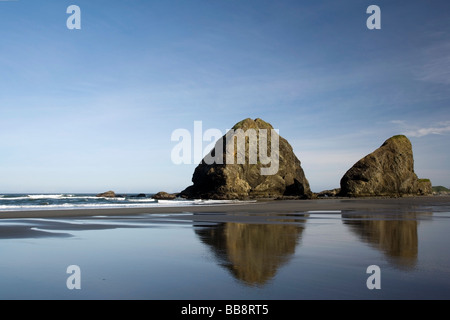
(93, 109)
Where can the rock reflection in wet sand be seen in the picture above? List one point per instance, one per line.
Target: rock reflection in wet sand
(394, 235)
(252, 252)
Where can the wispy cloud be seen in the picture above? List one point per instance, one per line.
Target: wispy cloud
(436, 67)
(439, 128)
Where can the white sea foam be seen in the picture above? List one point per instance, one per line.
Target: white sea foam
(68, 206)
(56, 197)
(42, 196)
(15, 198)
(67, 201)
(199, 202)
(85, 197)
(152, 204)
(109, 198)
(33, 197)
(45, 196)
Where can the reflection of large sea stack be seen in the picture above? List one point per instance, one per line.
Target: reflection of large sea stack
(388, 171)
(252, 252)
(224, 180)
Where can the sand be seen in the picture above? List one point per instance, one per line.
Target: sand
(258, 207)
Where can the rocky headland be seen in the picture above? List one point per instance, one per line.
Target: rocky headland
(441, 191)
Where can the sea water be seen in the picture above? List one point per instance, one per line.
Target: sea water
(301, 255)
(67, 201)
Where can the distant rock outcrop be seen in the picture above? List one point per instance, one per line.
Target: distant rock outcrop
(328, 193)
(440, 190)
(279, 174)
(164, 196)
(388, 171)
(107, 194)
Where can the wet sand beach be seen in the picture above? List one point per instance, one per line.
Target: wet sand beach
(264, 250)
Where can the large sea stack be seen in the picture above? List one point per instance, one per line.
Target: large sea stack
(277, 175)
(388, 171)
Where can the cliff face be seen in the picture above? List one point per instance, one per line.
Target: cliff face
(250, 161)
(388, 171)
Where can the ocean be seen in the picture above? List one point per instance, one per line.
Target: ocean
(67, 201)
